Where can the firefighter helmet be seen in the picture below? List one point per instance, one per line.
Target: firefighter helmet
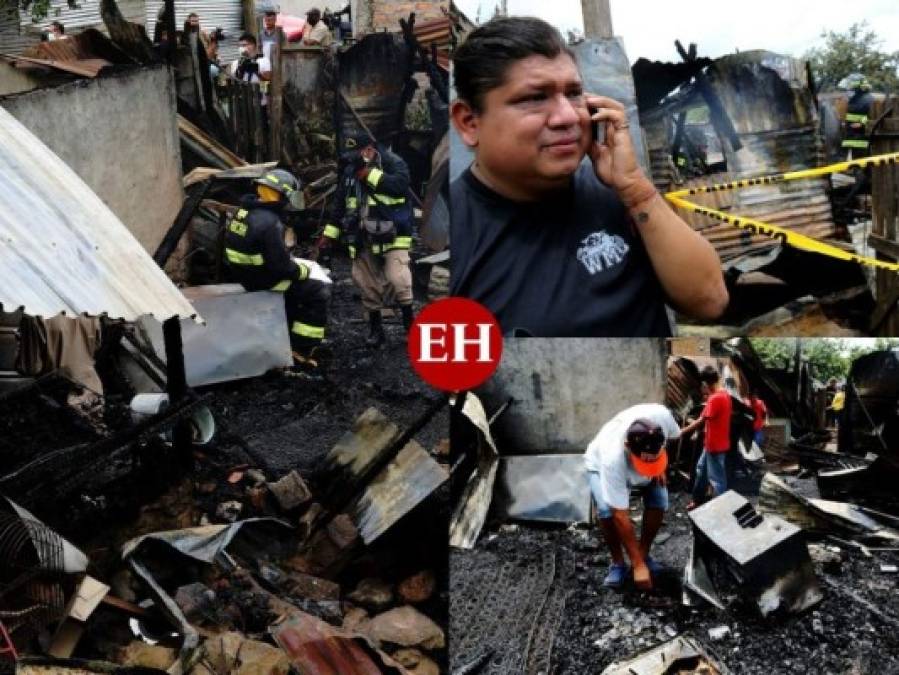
(853, 82)
(279, 180)
(284, 183)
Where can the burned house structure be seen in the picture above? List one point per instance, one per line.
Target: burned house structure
(746, 116)
(226, 513)
(790, 562)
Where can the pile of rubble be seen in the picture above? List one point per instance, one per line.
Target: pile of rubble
(257, 573)
(792, 570)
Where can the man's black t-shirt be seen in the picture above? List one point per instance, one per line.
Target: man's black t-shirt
(572, 266)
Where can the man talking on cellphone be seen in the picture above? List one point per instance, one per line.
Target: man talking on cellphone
(554, 245)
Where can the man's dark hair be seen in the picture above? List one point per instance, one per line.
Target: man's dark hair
(480, 63)
(59, 27)
(709, 375)
(270, 12)
(644, 436)
(247, 37)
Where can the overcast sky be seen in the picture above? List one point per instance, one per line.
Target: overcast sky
(649, 28)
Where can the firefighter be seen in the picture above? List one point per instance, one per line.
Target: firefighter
(855, 137)
(376, 224)
(258, 259)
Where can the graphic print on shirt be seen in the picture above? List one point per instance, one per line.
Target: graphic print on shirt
(600, 250)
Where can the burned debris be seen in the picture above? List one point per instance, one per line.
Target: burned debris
(747, 116)
(788, 570)
(177, 495)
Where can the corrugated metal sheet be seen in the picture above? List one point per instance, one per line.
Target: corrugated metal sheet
(83, 67)
(19, 33)
(399, 488)
(12, 39)
(62, 249)
(771, 108)
(224, 14)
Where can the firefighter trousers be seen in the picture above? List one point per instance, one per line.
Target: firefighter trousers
(306, 304)
(384, 280)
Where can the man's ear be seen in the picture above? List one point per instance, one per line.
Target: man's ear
(466, 121)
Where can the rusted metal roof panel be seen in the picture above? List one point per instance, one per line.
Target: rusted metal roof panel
(399, 488)
(84, 67)
(767, 100)
(62, 249)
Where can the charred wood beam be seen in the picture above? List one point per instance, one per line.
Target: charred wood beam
(129, 36)
(176, 380)
(719, 117)
(196, 193)
(428, 60)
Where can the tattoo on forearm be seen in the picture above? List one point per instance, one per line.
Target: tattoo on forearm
(641, 217)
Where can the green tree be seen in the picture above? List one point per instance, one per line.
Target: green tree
(855, 51)
(39, 9)
(828, 357)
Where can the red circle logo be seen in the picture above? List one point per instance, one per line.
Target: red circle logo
(455, 344)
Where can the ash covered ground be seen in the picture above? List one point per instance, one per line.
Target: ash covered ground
(599, 626)
(274, 423)
(293, 422)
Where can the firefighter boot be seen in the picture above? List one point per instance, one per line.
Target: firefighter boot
(408, 317)
(376, 335)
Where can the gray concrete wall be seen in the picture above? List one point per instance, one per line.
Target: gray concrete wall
(15, 81)
(119, 134)
(566, 389)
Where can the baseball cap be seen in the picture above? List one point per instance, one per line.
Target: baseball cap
(646, 438)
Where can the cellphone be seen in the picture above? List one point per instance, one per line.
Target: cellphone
(597, 134)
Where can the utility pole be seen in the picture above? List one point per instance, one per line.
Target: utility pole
(597, 19)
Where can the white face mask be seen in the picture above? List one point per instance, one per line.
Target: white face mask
(244, 51)
(51, 37)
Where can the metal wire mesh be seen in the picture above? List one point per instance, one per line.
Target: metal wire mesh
(31, 571)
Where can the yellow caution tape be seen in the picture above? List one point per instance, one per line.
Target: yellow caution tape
(785, 236)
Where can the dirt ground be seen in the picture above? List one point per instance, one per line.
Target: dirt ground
(598, 626)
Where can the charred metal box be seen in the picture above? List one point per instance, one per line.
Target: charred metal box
(766, 555)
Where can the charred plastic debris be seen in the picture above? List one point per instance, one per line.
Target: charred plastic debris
(171, 501)
(792, 570)
(748, 115)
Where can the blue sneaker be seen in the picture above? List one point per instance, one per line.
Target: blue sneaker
(654, 567)
(616, 576)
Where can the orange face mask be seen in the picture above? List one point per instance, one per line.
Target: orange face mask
(267, 194)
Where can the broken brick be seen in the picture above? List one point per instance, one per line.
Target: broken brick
(417, 588)
(291, 491)
(312, 588)
(408, 627)
(372, 593)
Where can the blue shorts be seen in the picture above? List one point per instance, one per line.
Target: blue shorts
(655, 496)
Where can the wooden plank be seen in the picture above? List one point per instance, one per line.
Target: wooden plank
(211, 146)
(597, 19)
(275, 102)
(887, 247)
(885, 236)
(258, 126)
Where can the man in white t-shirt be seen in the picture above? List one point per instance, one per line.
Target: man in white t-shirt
(251, 67)
(629, 453)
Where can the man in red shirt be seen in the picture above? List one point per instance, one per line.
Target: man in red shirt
(760, 419)
(712, 467)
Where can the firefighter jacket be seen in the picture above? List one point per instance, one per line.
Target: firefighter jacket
(855, 134)
(255, 251)
(383, 194)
